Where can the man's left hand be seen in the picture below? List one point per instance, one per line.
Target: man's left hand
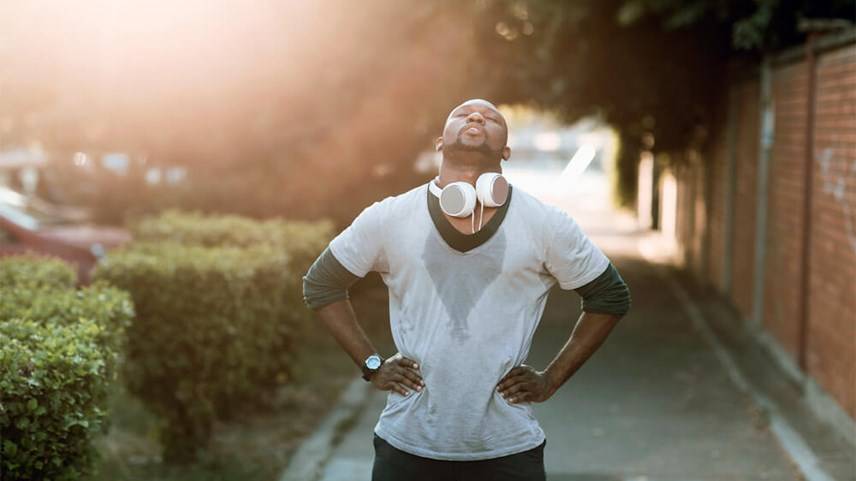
(524, 384)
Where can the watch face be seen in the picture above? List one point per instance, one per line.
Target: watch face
(373, 362)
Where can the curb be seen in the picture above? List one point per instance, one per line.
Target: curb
(309, 459)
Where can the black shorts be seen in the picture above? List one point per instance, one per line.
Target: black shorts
(391, 464)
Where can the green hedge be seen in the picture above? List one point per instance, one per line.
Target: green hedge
(35, 272)
(58, 352)
(52, 390)
(303, 241)
(109, 307)
(212, 333)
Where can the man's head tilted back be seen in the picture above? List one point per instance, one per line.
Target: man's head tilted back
(475, 131)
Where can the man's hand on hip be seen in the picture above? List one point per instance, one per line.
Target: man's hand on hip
(398, 373)
(524, 384)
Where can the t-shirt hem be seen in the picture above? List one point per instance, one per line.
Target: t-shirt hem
(479, 456)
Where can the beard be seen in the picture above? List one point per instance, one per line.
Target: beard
(482, 153)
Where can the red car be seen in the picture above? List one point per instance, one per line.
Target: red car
(29, 225)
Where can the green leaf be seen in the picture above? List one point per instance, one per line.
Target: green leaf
(10, 448)
(22, 423)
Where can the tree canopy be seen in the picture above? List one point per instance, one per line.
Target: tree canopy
(314, 108)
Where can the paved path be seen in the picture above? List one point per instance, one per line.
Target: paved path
(655, 403)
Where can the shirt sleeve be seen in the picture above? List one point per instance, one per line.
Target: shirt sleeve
(571, 257)
(607, 294)
(360, 246)
(326, 282)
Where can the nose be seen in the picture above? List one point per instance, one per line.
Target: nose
(475, 117)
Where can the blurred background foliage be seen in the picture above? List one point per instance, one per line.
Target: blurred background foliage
(309, 109)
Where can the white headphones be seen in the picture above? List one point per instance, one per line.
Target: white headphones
(458, 199)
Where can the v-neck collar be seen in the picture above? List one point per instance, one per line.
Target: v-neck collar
(456, 239)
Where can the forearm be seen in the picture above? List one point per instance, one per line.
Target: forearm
(589, 333)
(339, 318)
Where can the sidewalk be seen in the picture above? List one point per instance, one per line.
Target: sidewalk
(655, 403)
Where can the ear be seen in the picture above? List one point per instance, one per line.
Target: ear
(506, 152)
(438, 144)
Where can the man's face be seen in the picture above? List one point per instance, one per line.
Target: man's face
(475, 126)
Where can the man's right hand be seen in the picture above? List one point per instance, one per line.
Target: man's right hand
(398, 373)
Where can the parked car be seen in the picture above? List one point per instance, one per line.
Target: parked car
(31, 225)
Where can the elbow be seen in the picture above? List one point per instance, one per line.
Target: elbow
(309, 298)
(623, 301)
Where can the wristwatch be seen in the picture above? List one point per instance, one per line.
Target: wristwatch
(371, 365)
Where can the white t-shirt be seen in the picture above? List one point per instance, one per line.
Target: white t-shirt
(467, 318)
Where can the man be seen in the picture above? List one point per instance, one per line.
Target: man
(463, 309)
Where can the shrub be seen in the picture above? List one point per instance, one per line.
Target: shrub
(34, 272)
(303, 241)
(109, 307)
(193, 228)
(52, 393)
(58, 351)
(212, 332)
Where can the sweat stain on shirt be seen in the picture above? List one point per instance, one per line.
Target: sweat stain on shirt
(461, 279)
(468, 318)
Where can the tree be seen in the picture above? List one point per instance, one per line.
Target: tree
(653, 69)
(304, 109)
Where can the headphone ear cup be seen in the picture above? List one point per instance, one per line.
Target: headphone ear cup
(458, 199)
(492, 189)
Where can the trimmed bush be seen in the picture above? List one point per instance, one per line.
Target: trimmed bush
(58, 353)
(212, 332)
(303, 241)
(194, 228)
(52, 396)
(109, 307)
(31, 271)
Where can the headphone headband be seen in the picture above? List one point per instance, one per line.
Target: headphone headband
(434, 188)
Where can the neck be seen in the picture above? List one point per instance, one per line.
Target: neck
(464, 172)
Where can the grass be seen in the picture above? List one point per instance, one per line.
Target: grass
(258, 445)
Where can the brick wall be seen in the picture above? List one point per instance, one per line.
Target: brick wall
(743, 234)
(832, 297)
(783, 281)
(825, 347)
